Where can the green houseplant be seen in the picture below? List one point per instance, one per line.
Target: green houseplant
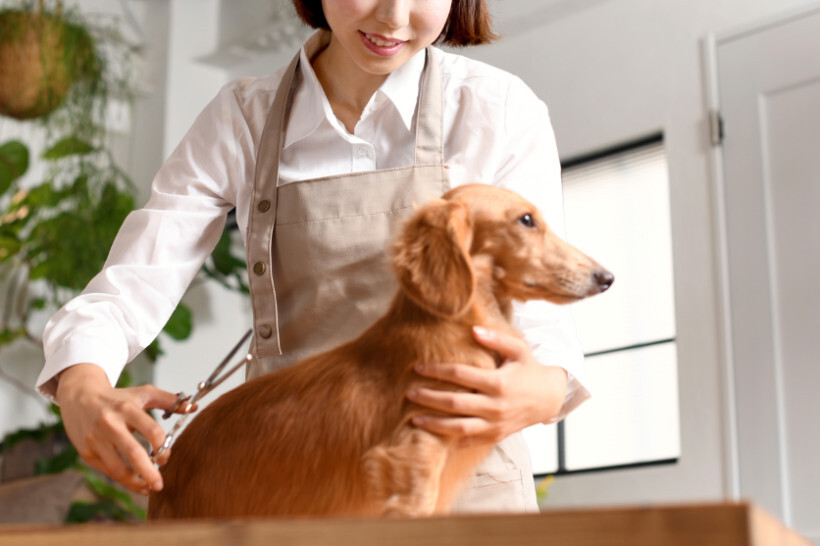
(55, 234)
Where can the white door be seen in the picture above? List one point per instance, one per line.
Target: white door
(769, 101)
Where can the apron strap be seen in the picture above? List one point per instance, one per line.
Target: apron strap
(430, 119)
(262, 219)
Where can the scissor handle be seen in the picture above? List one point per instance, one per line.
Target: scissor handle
(181, 399)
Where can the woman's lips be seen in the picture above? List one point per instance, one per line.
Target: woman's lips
(381, 45)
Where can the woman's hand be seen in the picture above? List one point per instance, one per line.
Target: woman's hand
(100, 421)
(520, 393)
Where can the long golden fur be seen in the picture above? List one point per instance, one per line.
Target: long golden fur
(332, 435)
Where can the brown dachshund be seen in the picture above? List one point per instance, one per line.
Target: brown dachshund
(332, 435)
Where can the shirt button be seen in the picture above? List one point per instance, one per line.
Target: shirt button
(259, 268)
(264, 331)
(363, 151)
(263, 206)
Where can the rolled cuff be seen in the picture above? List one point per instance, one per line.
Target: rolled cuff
(86, 351)
(576, 395)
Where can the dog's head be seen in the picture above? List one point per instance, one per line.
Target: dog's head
(442, 244)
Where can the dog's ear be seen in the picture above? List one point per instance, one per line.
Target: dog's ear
(432, 258)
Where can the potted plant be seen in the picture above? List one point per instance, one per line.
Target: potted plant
(53, 238)
(55, 234)
(42, 54)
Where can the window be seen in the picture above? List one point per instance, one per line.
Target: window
(617, 211)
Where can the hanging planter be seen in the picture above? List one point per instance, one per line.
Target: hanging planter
(41, 56)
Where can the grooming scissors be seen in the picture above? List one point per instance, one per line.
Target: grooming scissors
(185, 403)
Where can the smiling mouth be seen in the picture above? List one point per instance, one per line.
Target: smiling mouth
(381, 41)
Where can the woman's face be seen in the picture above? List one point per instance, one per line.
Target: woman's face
(379, 36)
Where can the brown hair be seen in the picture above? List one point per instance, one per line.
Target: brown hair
(469, 22)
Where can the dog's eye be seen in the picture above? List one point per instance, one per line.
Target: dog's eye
(527, 220)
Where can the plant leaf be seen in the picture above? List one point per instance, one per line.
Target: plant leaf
(9, 246)
(180, 325)
(58, 463)
(38, 434)
(224, 261)
(68, 146)
(14, 163)
(71, 261)
(153, 351)
(104, 510)
(125, 379)
(43, 195)
(7, 335)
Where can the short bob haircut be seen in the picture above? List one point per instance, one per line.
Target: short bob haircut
(469, 22)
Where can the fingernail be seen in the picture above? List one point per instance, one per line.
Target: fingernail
(481, 331)
(419, 420)
(412, 393)
(157, 486)
(419, 368)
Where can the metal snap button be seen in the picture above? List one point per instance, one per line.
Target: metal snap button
(259, 268)
(263, 206)
(264, 331)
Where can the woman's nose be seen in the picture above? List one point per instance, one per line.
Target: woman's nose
(394, 13)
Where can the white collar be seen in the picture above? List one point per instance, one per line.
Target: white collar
(310, 105)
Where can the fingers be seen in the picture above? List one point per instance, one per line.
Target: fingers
(498, 401)
(101, 420)
(509, 346)
(455, 403)
(154, 398)
(136, 454)
(127, 460)
(137, 419)
(110, 461)
(463, 375)
(103, 430)
(472, 417)
(468, 430)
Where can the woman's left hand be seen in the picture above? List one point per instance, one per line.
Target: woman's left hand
(519, 393)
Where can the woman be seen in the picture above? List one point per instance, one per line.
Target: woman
(321, 159)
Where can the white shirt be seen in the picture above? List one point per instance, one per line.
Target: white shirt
(496, 132)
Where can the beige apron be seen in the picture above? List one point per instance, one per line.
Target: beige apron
(319, 270)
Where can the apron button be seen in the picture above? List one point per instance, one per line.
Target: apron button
(264, 331)
(259, 268)
(263, 206)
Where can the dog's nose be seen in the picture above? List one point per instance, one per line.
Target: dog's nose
(604, 279)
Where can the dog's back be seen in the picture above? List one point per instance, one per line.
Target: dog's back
(299, 441)
(280, 444)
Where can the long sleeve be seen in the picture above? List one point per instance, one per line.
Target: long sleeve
(155, 255)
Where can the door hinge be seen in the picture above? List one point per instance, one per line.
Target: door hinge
(715, 128)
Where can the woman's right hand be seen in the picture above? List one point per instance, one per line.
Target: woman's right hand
(100, 421)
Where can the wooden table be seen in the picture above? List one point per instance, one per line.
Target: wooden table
(690, 525)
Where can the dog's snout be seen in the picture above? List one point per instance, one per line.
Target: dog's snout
(604, 279)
